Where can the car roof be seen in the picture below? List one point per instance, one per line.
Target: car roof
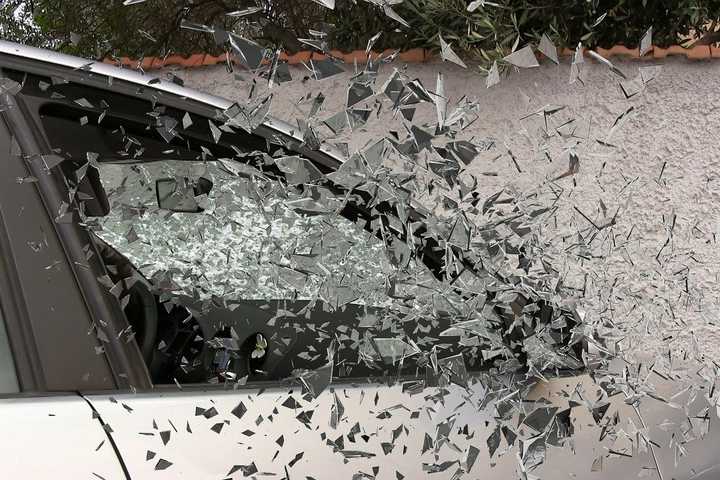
(108, 70)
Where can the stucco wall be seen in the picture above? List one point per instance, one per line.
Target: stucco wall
(674, 123)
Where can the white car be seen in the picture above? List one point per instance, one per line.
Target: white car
(190, 289)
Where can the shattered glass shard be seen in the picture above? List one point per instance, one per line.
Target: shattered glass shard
(281, 73)
(163, 464)
(447, 53)
(83, 102)
(220, 36)
(455, 370)
(475, 4)
(575, 66)
(358, 117)
(309, 137)
(298, 170)
(472, 456)
(463, 150)
(578, 55)
(523, 58)
(215, 131)
(646, 42)
(440, 101)
(421, 138)
(540, 418)
(561, 428)
(460, 234)
(419, 90)
(599, 20)
(371, 42)
(408, 113)
(393, 14)
(317, 104)
(245, 12)
(607, 63)
(316, 381)
(319, 44)
(547, 48)
(326, 3)
(248, 117)
(493, 76)
(631, 87)
(247, 470)
(394, 86)
(533, 452)
(337, 123)
(357, 92)
(493, 441)
(247, 52)
(198, 27)
(393, 350)
(186, 121)
(326, 68)
(647, 74)
(240, 410)
(278, 72)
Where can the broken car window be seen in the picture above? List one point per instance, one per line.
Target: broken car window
(236, 258)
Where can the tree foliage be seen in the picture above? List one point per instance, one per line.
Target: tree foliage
(595, 23)
(16, 24)
(99, 28)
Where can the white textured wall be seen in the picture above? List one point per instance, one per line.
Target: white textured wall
(675, 120)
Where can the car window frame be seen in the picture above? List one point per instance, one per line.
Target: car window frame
(205, 110)
(268, 130)
(26, 363)
(123, 372)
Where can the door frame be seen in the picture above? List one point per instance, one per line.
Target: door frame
(127, 369)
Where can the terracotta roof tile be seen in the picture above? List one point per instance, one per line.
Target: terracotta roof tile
(415, 55)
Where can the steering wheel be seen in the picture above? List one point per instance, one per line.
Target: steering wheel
(141, 312)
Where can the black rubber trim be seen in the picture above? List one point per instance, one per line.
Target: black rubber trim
(28, 367)
(22, 344)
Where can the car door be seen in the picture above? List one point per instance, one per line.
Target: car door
(46, 355)
(158, 432)
(298, 424)
(296, 419)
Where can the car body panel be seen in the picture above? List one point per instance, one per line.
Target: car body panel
(197, 451)
(54, 437)
(383, 413)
